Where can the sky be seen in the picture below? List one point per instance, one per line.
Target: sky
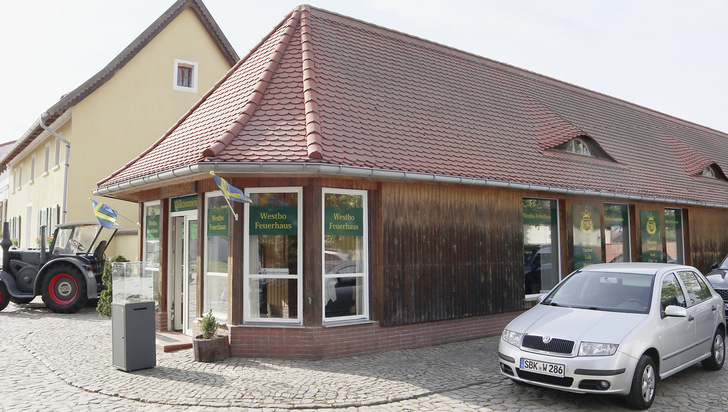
(667, 55)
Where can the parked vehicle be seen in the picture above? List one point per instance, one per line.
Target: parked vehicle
(66, 275)
(717, 278)
(617, 328)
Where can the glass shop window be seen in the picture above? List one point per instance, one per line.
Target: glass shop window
(616, 233)
(216, 256)
(273, 256)
(540, 244)
(150, 252)
(675, 248)
(345, 279)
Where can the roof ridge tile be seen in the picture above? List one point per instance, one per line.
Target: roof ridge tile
(257, 93)
(313, 122)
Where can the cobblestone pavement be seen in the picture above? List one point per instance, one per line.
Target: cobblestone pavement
(57, 362)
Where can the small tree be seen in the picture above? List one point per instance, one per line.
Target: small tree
(209, 326)
(106, 297)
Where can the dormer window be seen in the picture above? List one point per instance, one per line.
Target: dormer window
(585, 146)
(577, 146)
(708, 172)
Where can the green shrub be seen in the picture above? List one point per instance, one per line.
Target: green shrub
(209, 326)
(106, 297)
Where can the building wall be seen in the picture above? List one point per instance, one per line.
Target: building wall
(121, 119)
(40, 190)
(446, 262)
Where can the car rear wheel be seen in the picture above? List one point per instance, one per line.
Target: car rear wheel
(717, 353)
(4, 296)
(642, 392)
(64, 289)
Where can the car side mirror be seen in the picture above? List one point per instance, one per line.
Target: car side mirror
(676, 311)
(715, 266)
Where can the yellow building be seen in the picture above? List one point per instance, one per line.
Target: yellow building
(112, 117)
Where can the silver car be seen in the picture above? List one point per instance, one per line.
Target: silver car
(617, 328)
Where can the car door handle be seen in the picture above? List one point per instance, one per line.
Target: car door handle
(691, 318)
(713, 308)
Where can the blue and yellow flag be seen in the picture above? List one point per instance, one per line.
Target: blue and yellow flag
(229, 191)
(105, 215)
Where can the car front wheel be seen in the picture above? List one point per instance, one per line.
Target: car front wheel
(717, 353)
(64, 289)
(642, 392)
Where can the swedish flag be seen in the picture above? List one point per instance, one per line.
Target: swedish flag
(104, 214)
(229, 191)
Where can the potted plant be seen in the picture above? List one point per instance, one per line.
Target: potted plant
(209, 347)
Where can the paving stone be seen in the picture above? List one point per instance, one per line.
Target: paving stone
(63, 362)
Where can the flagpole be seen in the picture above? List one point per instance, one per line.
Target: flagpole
(231, 208)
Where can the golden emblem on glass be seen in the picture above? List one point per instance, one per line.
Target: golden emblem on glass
(586, 225)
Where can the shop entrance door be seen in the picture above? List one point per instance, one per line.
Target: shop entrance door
(183, 262)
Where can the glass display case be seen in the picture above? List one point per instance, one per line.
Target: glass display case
(132, 282)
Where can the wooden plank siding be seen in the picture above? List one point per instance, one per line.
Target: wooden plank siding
(449, 252)
(708, 236)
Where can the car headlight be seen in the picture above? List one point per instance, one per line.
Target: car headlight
(514, 338)
(597, 349)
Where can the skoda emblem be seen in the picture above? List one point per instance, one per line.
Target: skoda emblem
(546, 339)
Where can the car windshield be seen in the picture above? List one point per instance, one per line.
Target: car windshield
(616, 292)
(724, 264)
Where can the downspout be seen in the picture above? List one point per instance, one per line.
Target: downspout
(65, 172)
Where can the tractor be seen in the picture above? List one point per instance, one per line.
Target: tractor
(67, 275)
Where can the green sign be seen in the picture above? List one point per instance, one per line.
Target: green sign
(587, 236)
(218, 219)
(673, 220)
(278, 220)
(615, 216)
(650, 226)
(152, 226)
(181, 204)
(538, 212)
(343, 221)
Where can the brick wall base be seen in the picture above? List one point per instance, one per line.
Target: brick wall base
(358, 339)
(160, 321)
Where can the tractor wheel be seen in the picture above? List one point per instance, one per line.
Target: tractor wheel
(64, 289)
(4, 296)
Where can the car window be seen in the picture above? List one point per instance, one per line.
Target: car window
(695, 291)
(672, 293)
(617, 292)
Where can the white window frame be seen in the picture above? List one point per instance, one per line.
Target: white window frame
(221, 317)
(189, 64)
(247, 276)
(47, 157)
(57, 153)
(19, 175)
(32, 169)
(365, 257)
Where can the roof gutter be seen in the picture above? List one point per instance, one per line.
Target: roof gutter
(371, 173)
(66, 165)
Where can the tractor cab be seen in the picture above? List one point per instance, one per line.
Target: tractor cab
(81, 238)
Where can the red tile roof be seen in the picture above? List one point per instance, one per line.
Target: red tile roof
(326, 89)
